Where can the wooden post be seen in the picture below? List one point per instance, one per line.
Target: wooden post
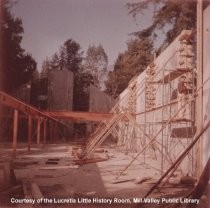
(29, 132)
(45, 131)
(38, 130)
(199, 100)
(202, 183)
(53, 131)
(9, 178)
(15, 132)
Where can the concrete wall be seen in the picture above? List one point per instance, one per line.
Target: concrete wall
(60, 90)
(206, 90)
(60, 95)
(99, 101)
(166, 62)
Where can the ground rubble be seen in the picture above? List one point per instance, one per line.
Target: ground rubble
(53, 172)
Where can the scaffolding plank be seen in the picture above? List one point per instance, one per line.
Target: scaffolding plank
(173, 74)
(183, 132)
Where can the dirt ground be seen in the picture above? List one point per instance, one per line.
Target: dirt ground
(53, 169)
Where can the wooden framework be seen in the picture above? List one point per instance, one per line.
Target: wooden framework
(31, 112)
(80, 116)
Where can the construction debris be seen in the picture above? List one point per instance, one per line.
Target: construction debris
(142, 180)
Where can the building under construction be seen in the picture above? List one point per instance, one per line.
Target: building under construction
(151, 149)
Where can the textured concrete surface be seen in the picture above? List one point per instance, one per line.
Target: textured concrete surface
(60, 96)
(64, 179)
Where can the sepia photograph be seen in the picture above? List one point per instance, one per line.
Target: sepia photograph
(105, 103)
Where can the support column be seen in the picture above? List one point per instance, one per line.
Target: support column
(53, 131)
(15, 132)
(29, 132)
(45, 131)
(199, 99)
(38, 130)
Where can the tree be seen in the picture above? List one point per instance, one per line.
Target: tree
(70, 57)
(96, 62)
(16, 66)
(128, 64)
(170, 15)
(46, 66)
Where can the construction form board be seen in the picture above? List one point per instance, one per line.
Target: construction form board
(83, 116)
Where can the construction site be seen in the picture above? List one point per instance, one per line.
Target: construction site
(148, 148)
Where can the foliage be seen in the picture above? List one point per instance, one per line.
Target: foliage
(96, 62)
(128, 64)
(16, 66)
(168, 15)
(69, 57)
(171, 15)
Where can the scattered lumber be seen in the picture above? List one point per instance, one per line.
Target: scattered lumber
(123, 181)
(202, 183)
(27, 194)
(142, 180)
(8, 175)
(35, 191)
(89, 160)
(59, 167)
(11, 190)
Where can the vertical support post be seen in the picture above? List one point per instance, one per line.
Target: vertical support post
(15, 132)
(199, 100)
(38, 130)
(51, 130)
(29, 132)
(45, 130)
(55, 131)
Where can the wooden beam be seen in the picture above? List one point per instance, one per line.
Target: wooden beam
(84, 116)
(45, 131)
(35, 190)
(29, 132)
(15, 132)
(202, 183)
(9, 179)
(199, 100)
(51, 130)
(38, 131)
(12, 102)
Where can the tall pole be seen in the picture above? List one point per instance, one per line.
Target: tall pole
(29, 132)
(15, 132)
(45, 131)
(199, 99)
(38, 130)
